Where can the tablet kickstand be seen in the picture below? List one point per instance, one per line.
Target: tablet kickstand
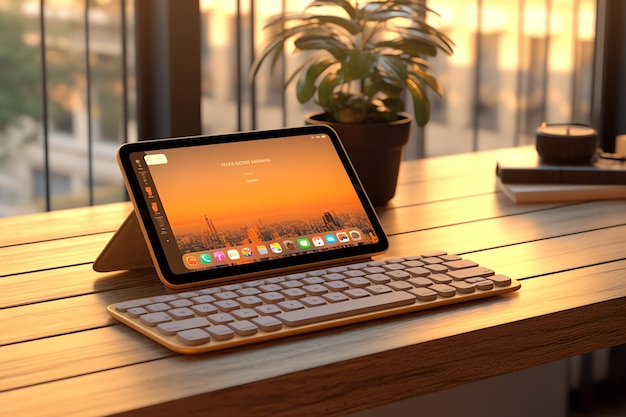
(126, 250)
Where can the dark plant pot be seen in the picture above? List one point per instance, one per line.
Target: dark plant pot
(375, 150)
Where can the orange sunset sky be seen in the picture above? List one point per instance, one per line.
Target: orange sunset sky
(242, 182)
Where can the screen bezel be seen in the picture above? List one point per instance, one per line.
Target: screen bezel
(196, 277)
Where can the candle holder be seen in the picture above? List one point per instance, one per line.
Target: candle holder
(571, 144)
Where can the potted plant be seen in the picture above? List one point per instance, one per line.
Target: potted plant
(362, 59)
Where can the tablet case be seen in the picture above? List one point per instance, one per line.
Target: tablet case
(126, 250)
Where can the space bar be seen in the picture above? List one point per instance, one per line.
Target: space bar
(345, 308)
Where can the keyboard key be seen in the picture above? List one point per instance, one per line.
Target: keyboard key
(250, 301)
(356, 293)
(315, 289)
(244, 328)
(335, 297)
(130, 304)
(244, 314)
(248, 291)
(400, 285)
(227, 305)
(443, 290)
(272, 297)
(220, 332)
(294, 293)
(345, 309)
(352, 274)
(204, 309)
(193, 337)
(290, 305)
(268, 323)
(463, 287)
(136, 311)
(381, 278)
(462, 274)
(419, 271)
(202, 299)
(181, 303)
(173, 327)
(226, 295)
(291, 284)
(152, 319)
(440, 278)
(153, 308)
(312, 301)
(432, 260)
(313, 280)
(413, 264)
(378, 289)
(420, 282)
(484, 285)
(500, 280)
(394, 267)
(436, 268)
(181, 313)
(424, 294)
(268, 309)
(460, 264)
(221, 318)
(399, 274)
(358, 282)
(336, 285)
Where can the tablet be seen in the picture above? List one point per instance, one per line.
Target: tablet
(225, 207)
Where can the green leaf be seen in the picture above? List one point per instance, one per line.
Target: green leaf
(421, 104)
(410, 46)
(351, 26)
(305, 89)
(325, 90)
(395, 66)
(356, 65)
(344, 4)
(323, 43)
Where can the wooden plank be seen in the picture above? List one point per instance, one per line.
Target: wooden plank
(457, 165)
(72, 281)
(505, 231)
(66, 315)
(455, 345)
(453, 212)
(443, 189)
(62, 223)
(66, 356)
(51, 254)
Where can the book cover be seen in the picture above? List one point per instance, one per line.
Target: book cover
(523, 166)
(553, 193)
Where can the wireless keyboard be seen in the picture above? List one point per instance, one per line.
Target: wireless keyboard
(215, 318)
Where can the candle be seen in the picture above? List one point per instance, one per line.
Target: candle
(566, 143)
(573, 131)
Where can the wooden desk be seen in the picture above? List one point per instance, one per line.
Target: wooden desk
(61, 354)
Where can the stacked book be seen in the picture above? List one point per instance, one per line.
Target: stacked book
(521, 176)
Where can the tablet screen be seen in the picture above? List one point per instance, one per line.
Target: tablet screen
(223, 206)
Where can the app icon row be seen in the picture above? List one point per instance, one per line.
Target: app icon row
(200, 260)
